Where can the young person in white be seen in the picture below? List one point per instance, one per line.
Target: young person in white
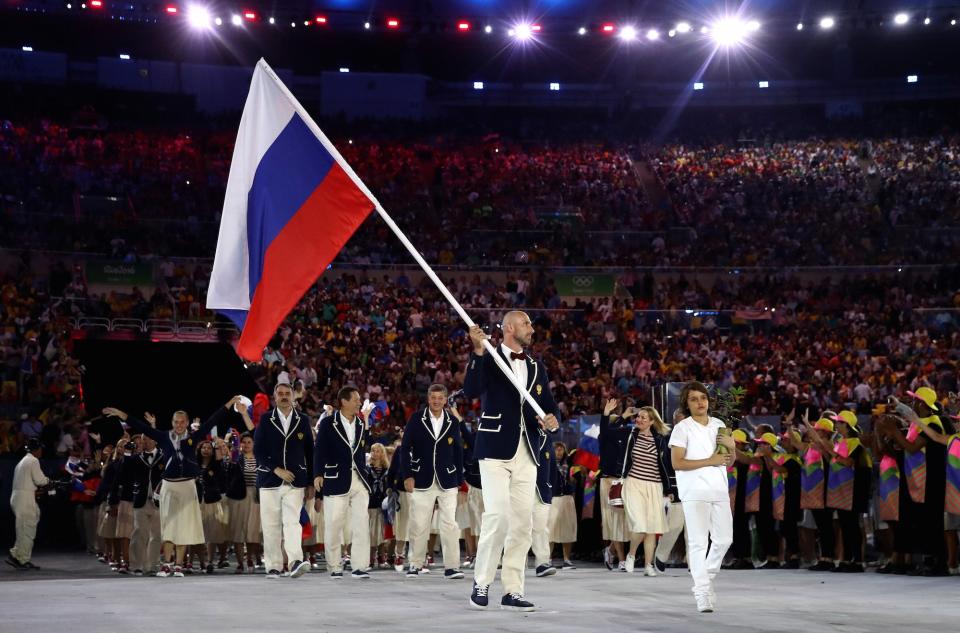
(27, 477)
(702, 484)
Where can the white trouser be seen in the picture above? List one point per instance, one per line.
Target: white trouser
(540, 535)
(145, 542)
(421, 513)
(509, 490)
(24, 506)
(675, 525)
(707, 522)
(280, 520)
(335, 512)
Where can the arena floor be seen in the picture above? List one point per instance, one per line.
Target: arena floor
(75, 593)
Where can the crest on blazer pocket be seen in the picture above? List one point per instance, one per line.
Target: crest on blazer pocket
(189, 441)
(300, 435)
(539, 389)
(449, 440)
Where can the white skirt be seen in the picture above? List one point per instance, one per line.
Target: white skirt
(563, 520)
(244, 515)
(214, 518)
(643, 504)
(475, 509)
(402, 523)
(180, 520)
(376, 526)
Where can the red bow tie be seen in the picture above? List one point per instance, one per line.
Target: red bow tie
(516, 356)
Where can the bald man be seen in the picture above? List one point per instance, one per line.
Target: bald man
(507, 434)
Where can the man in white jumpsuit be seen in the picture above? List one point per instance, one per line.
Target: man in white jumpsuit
(27, 477)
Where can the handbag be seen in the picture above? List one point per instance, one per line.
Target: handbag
(615, 498)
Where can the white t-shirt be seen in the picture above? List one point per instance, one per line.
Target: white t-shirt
(703, 484)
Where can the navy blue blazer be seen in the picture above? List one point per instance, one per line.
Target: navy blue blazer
(613, 442)
(504, 411)
(471, 465)
(292, 450)
(545, 471)
(427, 458)
(335, 457)
(181, 464)
(148, 478)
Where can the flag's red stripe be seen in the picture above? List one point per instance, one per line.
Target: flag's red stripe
(300, 253)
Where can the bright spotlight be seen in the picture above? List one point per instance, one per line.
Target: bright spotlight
(272, 20)
(582, 30)
(683, 27)
(799, 26)
(366, 25)
(827, 22)
(901, 18)
(912, 79)
(522, 32)
(698, 85)
(926, 21)
(26, 49)
(125, 57)
(953, 22)
(730, 32)
(653, 34)
(218, 21)
(198, 17)
(672, 32)
(628, 34)
(763, 84)
(236, 20)
(555, 86)
(704, 30)
(488, 29)
(753, 25)
(478, 85)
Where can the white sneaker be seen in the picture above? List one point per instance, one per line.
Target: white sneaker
(713, 599)
(650, 571)
(623, 565)
(703, 603)
(627, 565)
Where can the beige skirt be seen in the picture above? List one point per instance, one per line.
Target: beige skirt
(376, 526)
(463, 514)
(244, 523)
(107, 525)
(475, 508)
(643, 504)
(613, 520)
(124, 520)
(214, 518)
(563, 520)
(402, 523)
(180, 520)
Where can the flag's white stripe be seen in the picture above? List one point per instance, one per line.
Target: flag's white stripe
(266, 112)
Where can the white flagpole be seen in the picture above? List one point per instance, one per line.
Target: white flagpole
(312, 125)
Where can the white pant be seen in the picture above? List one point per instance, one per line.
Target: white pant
(707, 522)
(24, 506)
(421, 513)
(280, 520)
(675, 525)
(540, 535)
(509, 491)
(335, 512)
(145, 542)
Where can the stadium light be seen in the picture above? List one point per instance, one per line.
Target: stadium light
(628, 33)
(683, 27)
(478, 85)
(555, 86)
(729, 32)
(320, 19)
(672, 32)
(171, 9)
(218, 21)
(344, 69)
(653, 34)
(753, 25)
(306, 22)
(124, 57)
(799, 26)
(69, 6)
(26, 49)
(953, 22)
(96, 4)
(236, 20)
(249, 16)
(827, 22)
(764, 84)
(926, 21)
(522, 32)
(393, 23)
(901, 19)
(698, 85)
(582, 30)
(463, 26)
(608, 28)
(198, 17)
(272, 20)
(912, 79)
(366, 25)
(488, 29)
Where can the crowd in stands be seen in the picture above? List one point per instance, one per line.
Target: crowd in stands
(149, 194)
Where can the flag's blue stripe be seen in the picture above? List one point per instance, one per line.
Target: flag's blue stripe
(239, 317)
(288, 173)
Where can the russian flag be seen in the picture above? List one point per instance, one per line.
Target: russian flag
(588, 452)
(291, 204)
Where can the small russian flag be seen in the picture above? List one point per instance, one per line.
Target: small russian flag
(291, 204)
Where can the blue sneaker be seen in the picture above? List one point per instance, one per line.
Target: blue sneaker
(546, 570)
(452, 574)
(515, 602)
(359, 573)
(478, 597)
(413, 572)
(336, 575)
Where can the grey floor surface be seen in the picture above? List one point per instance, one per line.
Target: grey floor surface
(75, 594)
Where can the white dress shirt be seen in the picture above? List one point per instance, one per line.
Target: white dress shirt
(519, 366)
(350, 429)
(437, 424)
(285, 420)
